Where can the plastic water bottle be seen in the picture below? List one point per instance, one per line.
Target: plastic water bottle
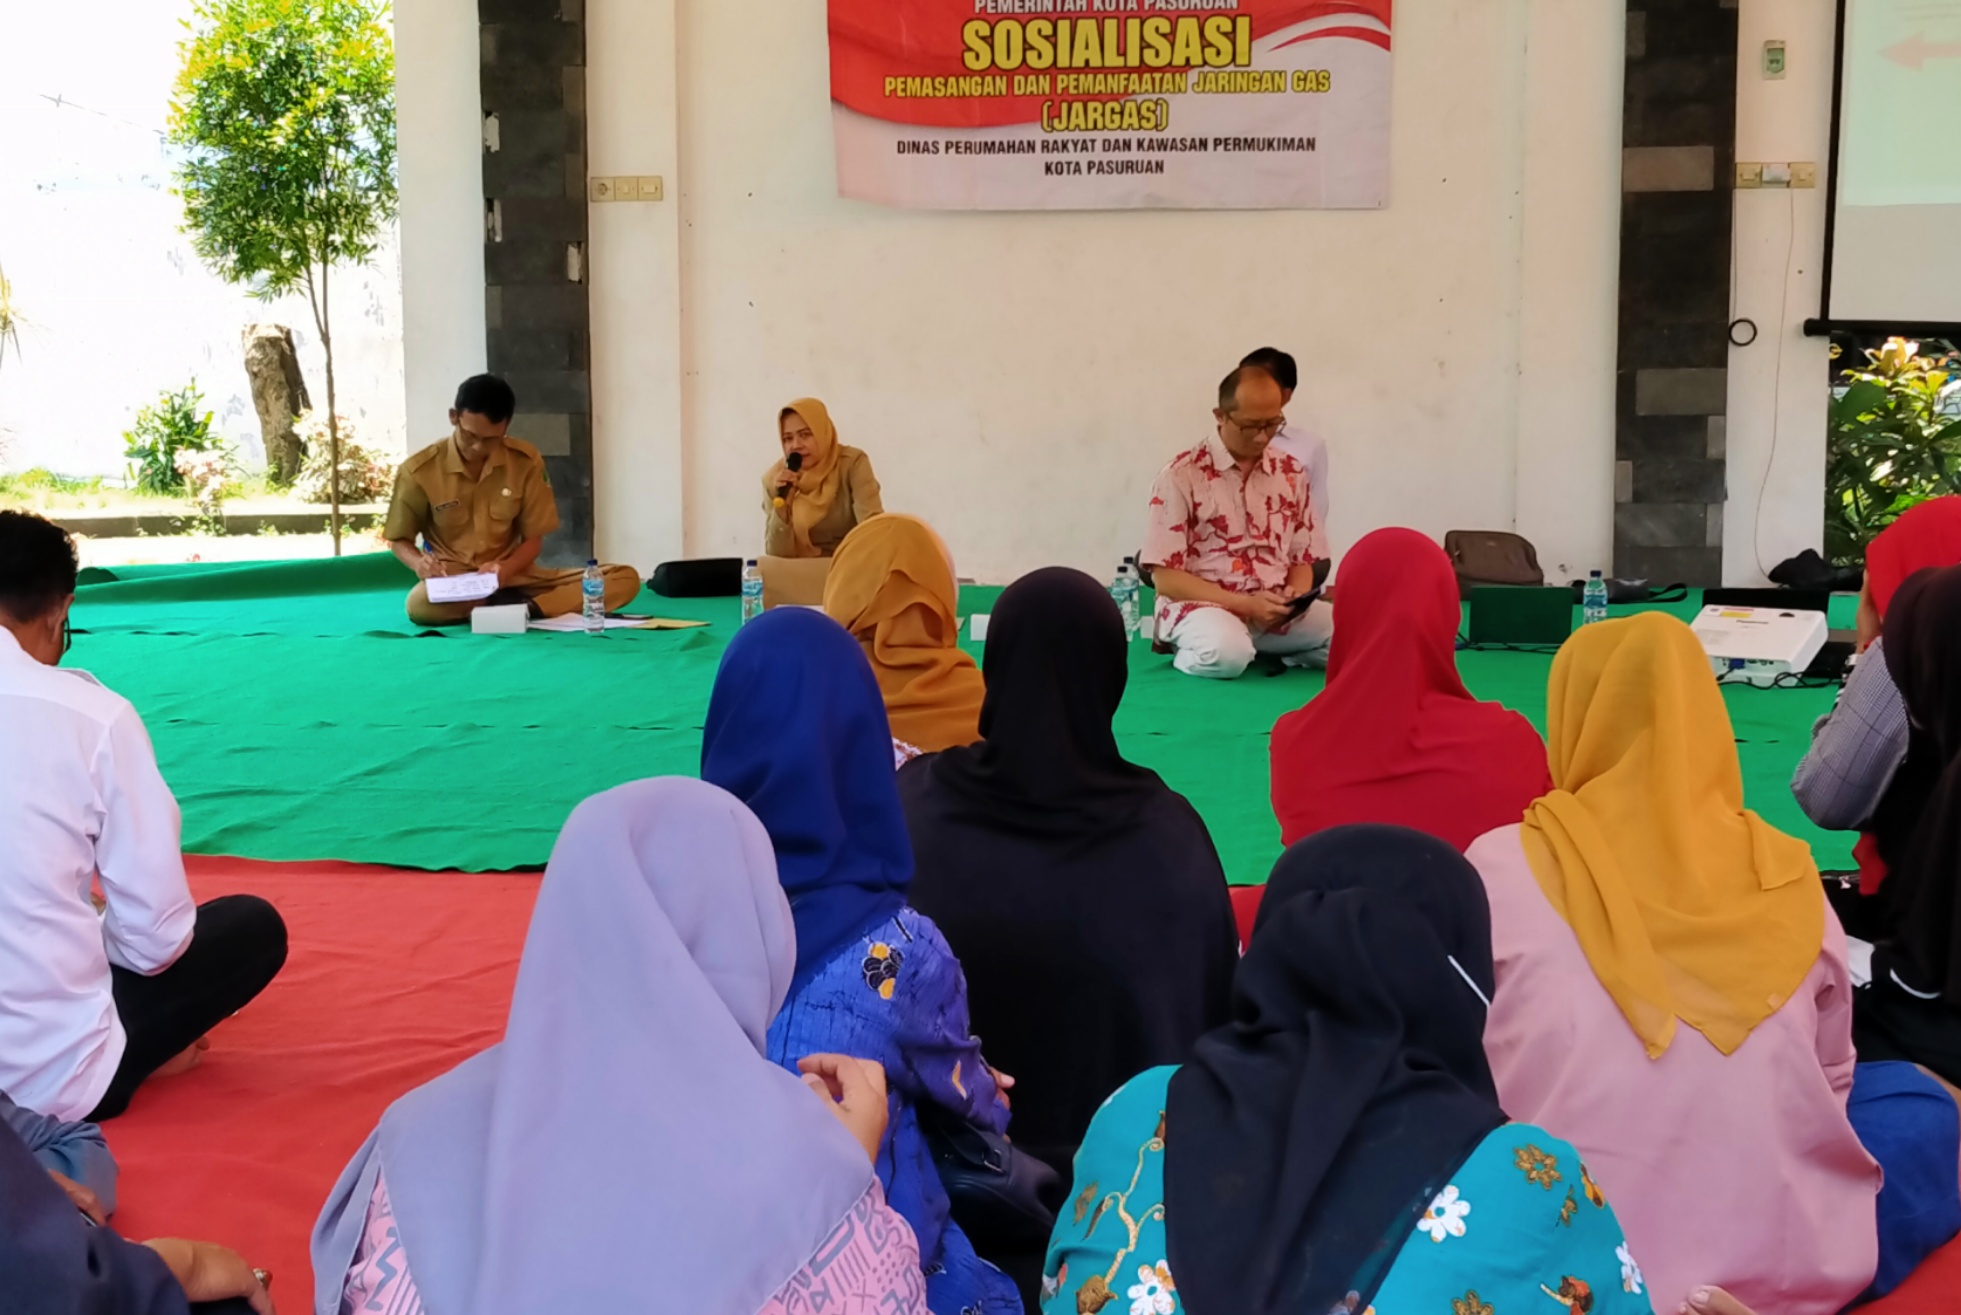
(592, 598)
(1123, 592)
(752, 591)
(1595, 599)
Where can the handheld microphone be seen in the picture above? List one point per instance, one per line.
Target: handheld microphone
(792, 463)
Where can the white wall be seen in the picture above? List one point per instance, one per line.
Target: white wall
(118, 306)
(1779, 386)
(1019, 378)
(438, 118)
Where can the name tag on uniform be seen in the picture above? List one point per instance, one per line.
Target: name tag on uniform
(451, 505)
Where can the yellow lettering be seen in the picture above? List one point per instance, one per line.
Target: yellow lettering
(1157, 42)
(1063, 27)
(1187, 48)
(1088, 50)
(1218, 42)
(1243, 42)
(1007, 45)
(978, 53)
(1041, 44)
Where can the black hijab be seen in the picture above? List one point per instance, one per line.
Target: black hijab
(1923, 655)
(1305, 1138)
(1083, 896)
(1047, 763)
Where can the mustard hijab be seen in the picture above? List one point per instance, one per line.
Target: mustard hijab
(1687, 905)
(892, 587)
(820, 480)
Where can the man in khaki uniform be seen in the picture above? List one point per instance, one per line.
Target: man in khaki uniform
(482, 501)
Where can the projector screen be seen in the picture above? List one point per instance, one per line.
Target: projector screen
(1896, 235)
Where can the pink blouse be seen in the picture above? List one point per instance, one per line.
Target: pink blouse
(869, 1265)
(1739, 1170)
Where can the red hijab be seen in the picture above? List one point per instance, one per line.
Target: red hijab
(1927, 535)
(1396, 738)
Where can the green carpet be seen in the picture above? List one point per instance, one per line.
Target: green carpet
(298, 715)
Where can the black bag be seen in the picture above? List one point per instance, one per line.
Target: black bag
(1003, 1198)
(1808, 570)
(1492, 557)
(709, 577)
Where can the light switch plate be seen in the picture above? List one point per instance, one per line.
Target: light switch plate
(1774, 63)
(1804, 174)
(651, 188)
(1749, 175)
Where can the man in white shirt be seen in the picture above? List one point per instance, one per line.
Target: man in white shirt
(91, 1005)
(1296, 442)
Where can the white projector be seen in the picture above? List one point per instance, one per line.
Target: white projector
(1760, 645)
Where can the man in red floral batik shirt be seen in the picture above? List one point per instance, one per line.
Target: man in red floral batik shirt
(1233, 538)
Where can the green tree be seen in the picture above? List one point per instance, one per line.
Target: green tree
(285, 111)
(1894, 442)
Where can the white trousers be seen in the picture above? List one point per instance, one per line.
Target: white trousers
(1213, 643)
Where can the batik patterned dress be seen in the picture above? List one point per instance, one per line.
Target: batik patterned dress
(865, 1267)
(1521, 1229)
(897, 995)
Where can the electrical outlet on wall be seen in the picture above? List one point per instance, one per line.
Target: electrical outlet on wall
(624, 187)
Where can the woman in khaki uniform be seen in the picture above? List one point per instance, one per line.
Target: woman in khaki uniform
(813, 508)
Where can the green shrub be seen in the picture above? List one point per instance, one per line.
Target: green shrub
(174, 423)
(366, 475)
(1894, 442)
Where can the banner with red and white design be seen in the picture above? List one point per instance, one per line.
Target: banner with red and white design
(1112, 104)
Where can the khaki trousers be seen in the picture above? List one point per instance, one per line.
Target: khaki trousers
(550, 593)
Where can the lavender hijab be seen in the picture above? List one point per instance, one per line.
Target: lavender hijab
(626, 1145)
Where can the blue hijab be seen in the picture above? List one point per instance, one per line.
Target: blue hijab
(797, 731)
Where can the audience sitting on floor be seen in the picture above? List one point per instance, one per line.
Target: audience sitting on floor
(1049, 861)
(892, 586)
(1395, 737)
(797, 731)
(1311, 1154)
(1673, 995)
(94, 1003)
(831, 492)
(1865, 770)
(59, 1257)
(628, 1142)
(1385, 1105)
(1294, 439)
(1232, 541)
(1912, 1009)
(480, 501)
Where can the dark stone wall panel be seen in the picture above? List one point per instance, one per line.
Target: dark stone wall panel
(1679, 135)
(539, 318)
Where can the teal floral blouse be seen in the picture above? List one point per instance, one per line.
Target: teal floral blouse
(1520, 1230)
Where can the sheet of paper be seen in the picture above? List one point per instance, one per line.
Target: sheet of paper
(463, 588)
(575, 623)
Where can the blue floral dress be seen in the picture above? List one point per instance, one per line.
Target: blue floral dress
(1520, 1230)
(898, 996)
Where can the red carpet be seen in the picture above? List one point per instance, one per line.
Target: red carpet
(393, 978)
